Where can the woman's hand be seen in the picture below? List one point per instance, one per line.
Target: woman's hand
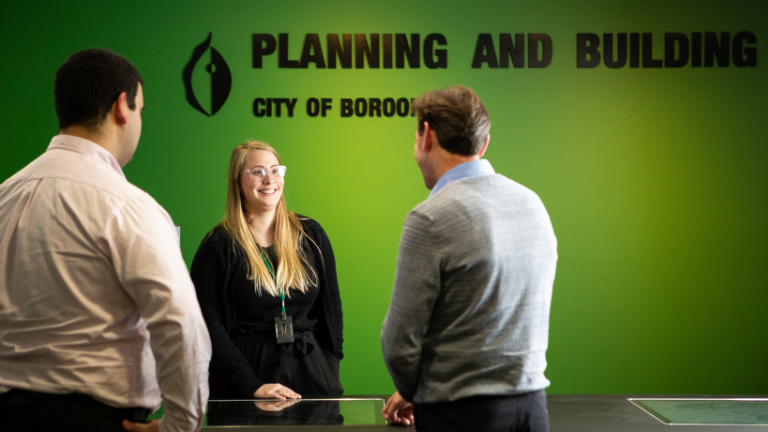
(275, 391)
(273, 406)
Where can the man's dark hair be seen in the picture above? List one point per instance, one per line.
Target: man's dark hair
(457, 116)
(87, 85)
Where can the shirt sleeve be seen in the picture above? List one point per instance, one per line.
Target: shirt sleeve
(417, 285)
(331, 284)
(231, 375)
(143, 246)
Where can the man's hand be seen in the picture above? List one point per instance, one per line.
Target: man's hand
(398, 411)
(275, 391)
(153, 426)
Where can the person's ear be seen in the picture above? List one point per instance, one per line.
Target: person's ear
(429, 136)
(120, 110)
(485, 146)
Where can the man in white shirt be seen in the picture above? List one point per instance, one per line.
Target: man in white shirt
(98, 315)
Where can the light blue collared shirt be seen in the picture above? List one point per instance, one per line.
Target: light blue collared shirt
(471, 169)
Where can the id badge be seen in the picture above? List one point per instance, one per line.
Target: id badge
(284, 329)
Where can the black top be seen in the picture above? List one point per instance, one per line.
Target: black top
(227, 297)
(261, 310)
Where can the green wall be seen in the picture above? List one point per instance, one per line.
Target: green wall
(655, 178)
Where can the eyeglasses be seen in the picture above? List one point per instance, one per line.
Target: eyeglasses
(259, 174)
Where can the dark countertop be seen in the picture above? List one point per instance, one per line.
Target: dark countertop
(610, 413)
(567, 413)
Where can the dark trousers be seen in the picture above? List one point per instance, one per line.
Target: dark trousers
(22, 410)
(517, 413)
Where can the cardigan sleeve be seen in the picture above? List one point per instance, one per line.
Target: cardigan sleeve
(329, 289)
(230, 374)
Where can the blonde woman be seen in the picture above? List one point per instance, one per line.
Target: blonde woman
(266, 282)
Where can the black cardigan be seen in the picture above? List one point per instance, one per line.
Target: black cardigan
(218, 269)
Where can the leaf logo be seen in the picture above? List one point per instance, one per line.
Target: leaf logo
(221, 78)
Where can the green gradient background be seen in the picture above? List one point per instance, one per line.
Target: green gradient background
(655, 179)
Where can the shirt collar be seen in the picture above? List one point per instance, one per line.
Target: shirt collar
(467, 170)
(87, 148)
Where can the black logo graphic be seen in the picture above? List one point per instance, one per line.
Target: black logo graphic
(221, 78)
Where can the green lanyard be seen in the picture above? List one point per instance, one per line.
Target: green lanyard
(272, 272)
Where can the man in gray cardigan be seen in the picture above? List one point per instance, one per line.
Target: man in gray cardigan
(466, 333)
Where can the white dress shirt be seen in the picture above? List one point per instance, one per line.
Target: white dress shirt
(90, 268)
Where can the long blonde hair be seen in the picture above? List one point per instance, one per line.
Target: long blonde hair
(288, 235)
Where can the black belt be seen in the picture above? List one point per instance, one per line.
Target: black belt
(75, 401)
(301, 332)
